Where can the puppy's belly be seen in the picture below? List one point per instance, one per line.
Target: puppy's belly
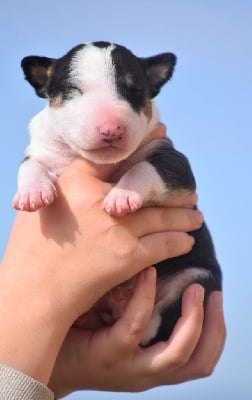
(169, 290)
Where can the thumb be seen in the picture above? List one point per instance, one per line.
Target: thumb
(129, 329)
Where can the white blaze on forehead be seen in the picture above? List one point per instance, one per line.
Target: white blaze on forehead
(93, 68)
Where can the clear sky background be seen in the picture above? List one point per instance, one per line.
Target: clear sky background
(207, 108)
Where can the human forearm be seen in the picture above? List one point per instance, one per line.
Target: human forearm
(30, 330)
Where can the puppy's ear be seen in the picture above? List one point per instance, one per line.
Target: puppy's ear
(159, 70)
(38, 71)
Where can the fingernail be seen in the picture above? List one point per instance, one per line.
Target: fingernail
(217, 299)
(192, 199)
(192, 240)
(199, 217)
(162, 127)
(199, 294)
(149, 273)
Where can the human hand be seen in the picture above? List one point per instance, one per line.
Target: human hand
(61, 260)
(111, 358)
(105, 251)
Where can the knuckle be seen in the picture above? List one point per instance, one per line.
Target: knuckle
(178, 361)
(126, 244)
(196, 219)
(179, 243)
(163, 218)
(125, 345)
(205, 371)
(126, 251)
(135, 329)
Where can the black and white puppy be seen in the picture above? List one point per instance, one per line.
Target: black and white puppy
(100, 108)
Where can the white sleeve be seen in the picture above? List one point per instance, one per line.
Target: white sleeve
(15, 385)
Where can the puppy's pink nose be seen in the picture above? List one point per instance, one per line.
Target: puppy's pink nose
(111, 132)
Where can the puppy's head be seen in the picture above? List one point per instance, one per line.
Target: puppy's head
(100, 97)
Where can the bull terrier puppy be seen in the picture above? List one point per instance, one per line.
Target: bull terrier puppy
(100, 107)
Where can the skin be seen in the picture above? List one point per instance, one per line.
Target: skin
(48, 272)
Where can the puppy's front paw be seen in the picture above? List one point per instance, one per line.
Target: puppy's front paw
(120, 202)
(33, 198)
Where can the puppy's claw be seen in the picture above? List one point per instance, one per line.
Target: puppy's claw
(120, 202)
(33, 199)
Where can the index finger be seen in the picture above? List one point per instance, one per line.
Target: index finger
(159, 219)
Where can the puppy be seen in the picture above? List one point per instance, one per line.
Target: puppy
(100, 107)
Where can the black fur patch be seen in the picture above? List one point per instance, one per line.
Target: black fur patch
(131, 77)
(60, 83)
(137, 79)
(203, 256)
(27, 158)
(102, 44)
(172, 166)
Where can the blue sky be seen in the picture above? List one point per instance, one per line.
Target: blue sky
(207, 108)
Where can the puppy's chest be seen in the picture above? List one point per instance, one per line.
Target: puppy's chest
(57, 165)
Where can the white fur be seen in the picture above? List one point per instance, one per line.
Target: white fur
(94, 70)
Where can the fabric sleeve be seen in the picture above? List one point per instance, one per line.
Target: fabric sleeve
(15, 385)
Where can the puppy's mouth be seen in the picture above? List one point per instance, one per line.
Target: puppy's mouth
(109, 144)
(107, 149)
(107, 153)
(112, 140)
